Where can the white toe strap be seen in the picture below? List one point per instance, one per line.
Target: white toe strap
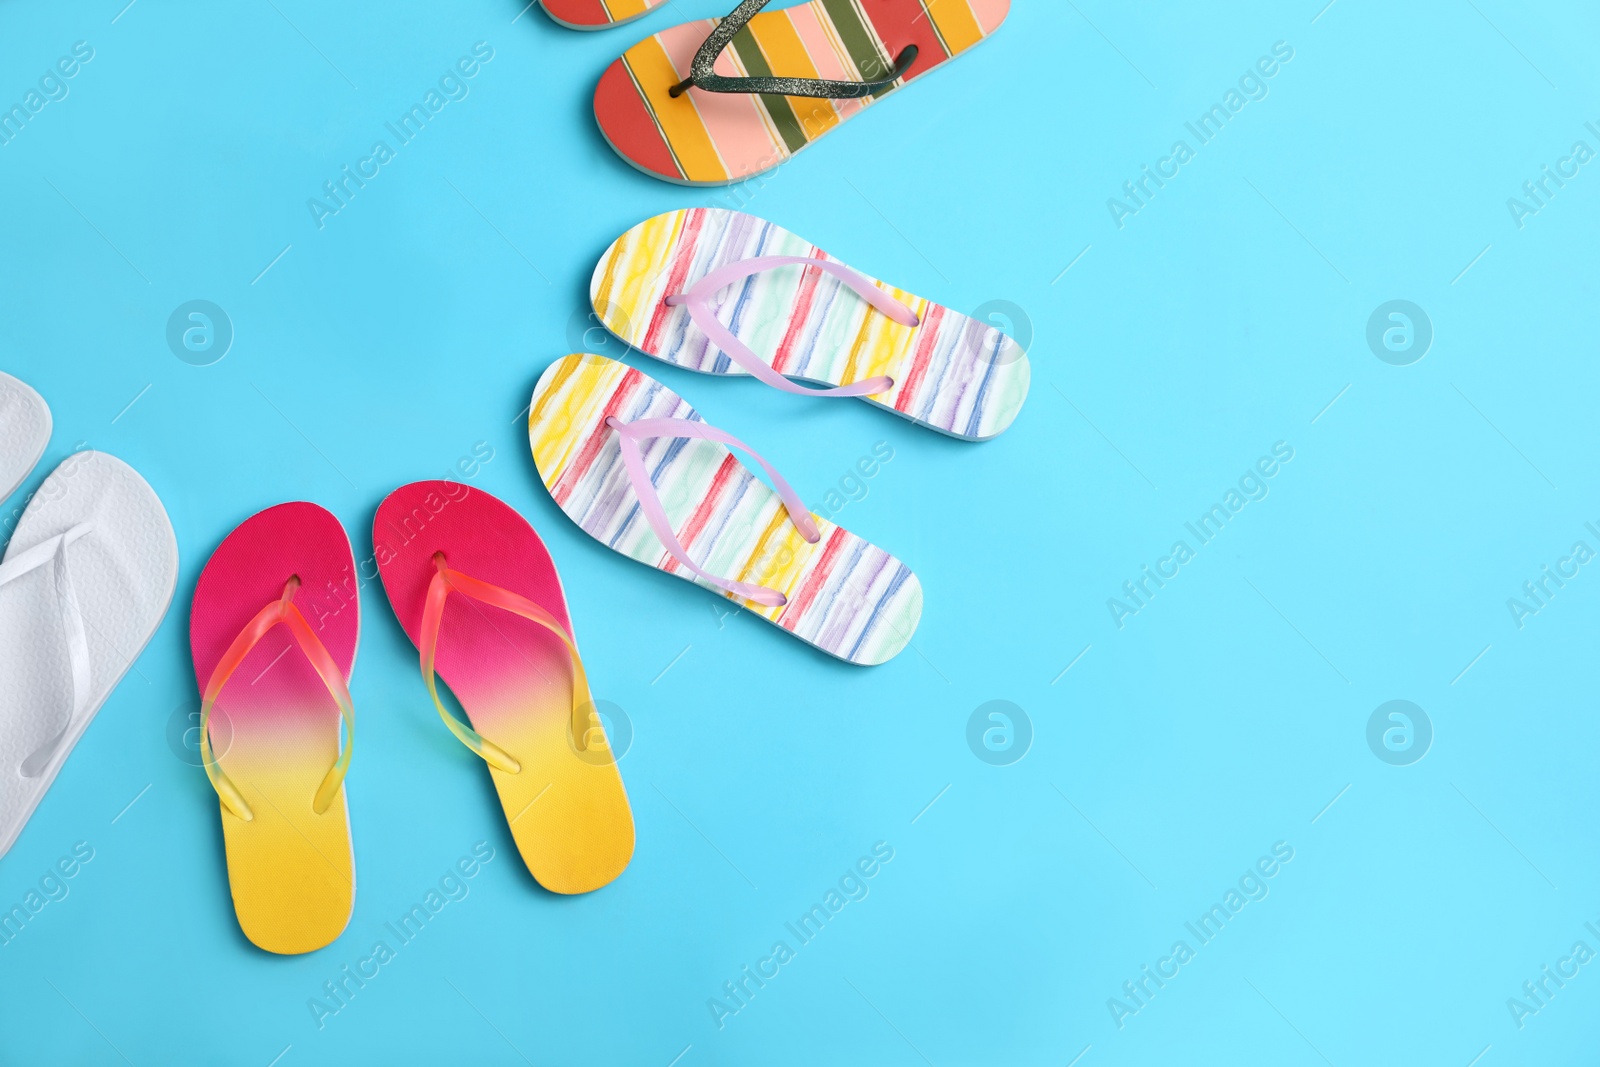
(54, 550)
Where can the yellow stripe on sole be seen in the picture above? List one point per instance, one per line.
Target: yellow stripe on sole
(678, 118)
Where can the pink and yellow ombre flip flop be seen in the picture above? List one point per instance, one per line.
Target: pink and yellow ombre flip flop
(597, 14)
(476, 591)
(274, 629)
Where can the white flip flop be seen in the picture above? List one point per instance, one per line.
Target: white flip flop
(84, 583)
(24, 431)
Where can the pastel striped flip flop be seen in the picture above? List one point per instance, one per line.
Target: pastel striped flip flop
(476, 591)
(274, 628)
(640, 471)
(698, 104)
(723, 292)
(597, 14)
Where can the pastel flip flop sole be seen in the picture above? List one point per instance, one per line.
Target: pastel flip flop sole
(567, 809)
(845, 596)
(597, 14)
(953, 373)
(275, 728)
(702, 138)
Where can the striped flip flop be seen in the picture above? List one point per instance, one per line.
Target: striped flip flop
(597, 14)
(639, 470)
(681, 285)
(698, 104)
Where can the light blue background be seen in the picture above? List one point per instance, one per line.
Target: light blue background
(1226, 716)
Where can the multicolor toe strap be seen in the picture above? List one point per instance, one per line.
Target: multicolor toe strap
(282, 611)
(631, 433)
(444, 582)
(703, 75)
(54, 551)
(696, 298)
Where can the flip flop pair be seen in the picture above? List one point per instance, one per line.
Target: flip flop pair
(274, 630)
(726, 293)
(84, 583)
(717, 101)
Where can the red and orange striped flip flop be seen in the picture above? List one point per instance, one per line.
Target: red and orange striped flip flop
(597, 14)
(713, 102)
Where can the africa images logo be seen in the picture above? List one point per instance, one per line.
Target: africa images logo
(52, 87)
(1206, 127)
(452, 887)
(452, 86)
(737, 993)
(1137, 593)
(1252, 885)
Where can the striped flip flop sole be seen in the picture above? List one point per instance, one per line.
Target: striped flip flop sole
(597, 14)
(953, 373)
(702, 138)
(846, 596)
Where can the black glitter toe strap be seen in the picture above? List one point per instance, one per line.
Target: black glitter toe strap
(703, 76)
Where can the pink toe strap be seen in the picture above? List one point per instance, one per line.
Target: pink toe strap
(629, 435)
(282, 611)
(697, 296)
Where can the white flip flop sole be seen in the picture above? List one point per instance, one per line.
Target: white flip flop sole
(84, 584)
(24, 432)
